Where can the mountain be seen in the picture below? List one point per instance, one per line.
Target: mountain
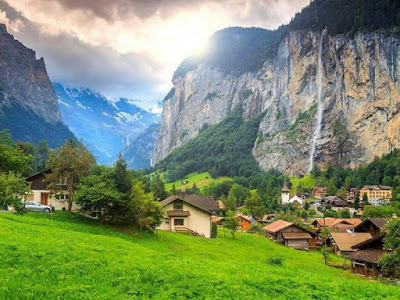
(106, 126)
(327, 92)
(28, 104)
(139, 152)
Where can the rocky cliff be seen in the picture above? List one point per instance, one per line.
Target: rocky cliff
(28, 104)
(325, 98)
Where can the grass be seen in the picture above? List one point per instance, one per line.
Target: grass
(201, 179)
(69, 257)
(307, 181)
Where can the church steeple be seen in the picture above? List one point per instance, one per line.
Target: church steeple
(285, 192)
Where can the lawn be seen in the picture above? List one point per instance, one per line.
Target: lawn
(307, 181)
(201, 179)
(66, 256)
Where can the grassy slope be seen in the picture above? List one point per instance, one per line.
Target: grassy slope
(55, 257)
(306, 181)
(201, 179)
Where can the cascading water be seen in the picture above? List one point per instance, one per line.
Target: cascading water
(320, 109)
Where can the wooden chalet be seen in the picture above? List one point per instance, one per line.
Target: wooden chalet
(364, 260)
(372, 225)
(319, 192)
(336, 203)
(290, 235)
(335, 224)
(342, 242)
(244, 222)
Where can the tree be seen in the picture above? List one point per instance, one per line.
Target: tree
(357, 201)
(173, 189)
(345, 213)
(123, 179)
(365, 198)
(388, 181)
(143, 211)
(12, 191)
(98, 194)
(68, 164)
(342, 193)
(12, 158)
(325, 232)
(230, 201)
(347, 183)
(315, 171)
(307, 206)
(241, 193)
(378, 212)
(231, 224)
(391, 240)
(157, 187)
(331, 188)
(254, 205)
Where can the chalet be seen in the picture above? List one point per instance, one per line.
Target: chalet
(377, 194)
(188, 214)
(41, 194)
(244, 222)
(372, 226)
(364, 260)
(334, 224)
(319, 192)
(343, 242)
(352, 193)
(290, 235)
(267, 218)
(336, 203)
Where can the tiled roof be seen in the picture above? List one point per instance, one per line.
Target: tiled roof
(296, 235)
(368, 255)
(378, 222)
(345, 241)
(206, 203)
(277, 226)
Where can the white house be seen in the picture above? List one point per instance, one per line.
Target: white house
(296, 200)
(41, 194)
(188, 213)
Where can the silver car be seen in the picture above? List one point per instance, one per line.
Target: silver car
(34, 206)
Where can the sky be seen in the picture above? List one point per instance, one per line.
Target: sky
(130, 48)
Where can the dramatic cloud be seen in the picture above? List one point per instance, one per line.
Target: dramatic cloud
(130, 47)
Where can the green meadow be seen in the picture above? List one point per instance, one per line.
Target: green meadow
(202, 180)
(66, 256)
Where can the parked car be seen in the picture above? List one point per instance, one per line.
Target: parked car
(34, 206)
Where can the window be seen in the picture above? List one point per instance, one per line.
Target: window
(178, 222)
(178, 205)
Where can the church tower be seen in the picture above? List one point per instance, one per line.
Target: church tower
(285, 193)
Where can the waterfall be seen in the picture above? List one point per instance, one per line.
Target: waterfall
(320, 109)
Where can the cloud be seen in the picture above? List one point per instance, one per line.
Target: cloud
(131, 47)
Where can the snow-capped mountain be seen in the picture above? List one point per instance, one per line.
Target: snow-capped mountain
(106, 127)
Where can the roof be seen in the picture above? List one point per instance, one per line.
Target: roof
(352, 222)
(285, 187)
(369, 243)
(372, 187)
(378, 222)
(216, 219)
(296, 235)
(345, 241)
(369, 255)
(243, 217)
(39, 173)
(330, 222)
(277, 226)
(205, 203)
(268, 217)
(178, 213)
(324, 221)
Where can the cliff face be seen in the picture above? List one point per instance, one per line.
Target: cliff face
(28, 104)
(326, 99)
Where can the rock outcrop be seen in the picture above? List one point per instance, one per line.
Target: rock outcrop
(28, 104)
(326, 99)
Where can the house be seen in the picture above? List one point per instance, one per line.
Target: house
(334, 224)
(290, 235)
(319, 192)
(343, 242)
(41, 194)
(372, 226)
(267, 218)
(303, 195)
(244, 222)
(377, 194)
(352, 193)
(336, 203)
(364, 260)
(296, 201)
(188, 214)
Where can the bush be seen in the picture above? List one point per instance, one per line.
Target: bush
(275, 260)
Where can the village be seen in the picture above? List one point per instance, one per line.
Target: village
(355, 238)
